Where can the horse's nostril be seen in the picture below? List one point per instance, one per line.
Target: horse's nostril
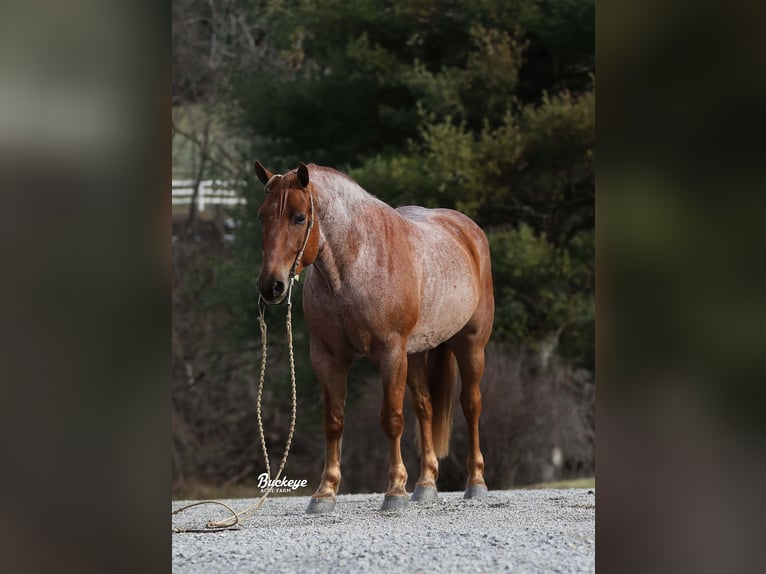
(278, 288)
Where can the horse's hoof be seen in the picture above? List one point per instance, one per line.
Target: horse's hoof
(423, 494)
(320, 505)
(476, 491)
(394, 502)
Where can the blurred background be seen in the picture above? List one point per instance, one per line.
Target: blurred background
(487, 107)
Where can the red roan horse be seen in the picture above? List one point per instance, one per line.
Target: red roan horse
(409, 288)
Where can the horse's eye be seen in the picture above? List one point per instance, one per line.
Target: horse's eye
(300, 219)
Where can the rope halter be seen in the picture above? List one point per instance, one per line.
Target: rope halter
(303, 248)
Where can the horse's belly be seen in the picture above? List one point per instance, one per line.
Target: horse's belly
(446, 306)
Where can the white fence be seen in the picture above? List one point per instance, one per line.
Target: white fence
(211, 192)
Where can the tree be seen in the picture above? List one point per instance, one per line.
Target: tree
(349, 75)
(210, 38)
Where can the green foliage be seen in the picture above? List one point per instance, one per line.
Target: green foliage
(542, 291)
(346, 77)
(536, 167)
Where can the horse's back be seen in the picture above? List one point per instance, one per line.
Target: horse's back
(452, 256)
(437, 230)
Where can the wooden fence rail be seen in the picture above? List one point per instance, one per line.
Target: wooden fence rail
(211, 192)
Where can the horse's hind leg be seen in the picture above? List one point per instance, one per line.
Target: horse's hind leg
(417, 381)
(469, 350)
(333, 376)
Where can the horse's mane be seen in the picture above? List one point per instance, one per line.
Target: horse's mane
(338, 192)
(338, 186)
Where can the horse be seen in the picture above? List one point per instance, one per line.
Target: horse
(409, 288)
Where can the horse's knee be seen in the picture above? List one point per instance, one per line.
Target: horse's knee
(333, 426)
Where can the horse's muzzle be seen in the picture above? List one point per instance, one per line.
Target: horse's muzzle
(272, 291)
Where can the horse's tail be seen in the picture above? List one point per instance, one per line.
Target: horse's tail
(442, 374)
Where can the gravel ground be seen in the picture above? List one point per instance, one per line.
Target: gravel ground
(511, 531)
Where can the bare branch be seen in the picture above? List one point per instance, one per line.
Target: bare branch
(226, 161)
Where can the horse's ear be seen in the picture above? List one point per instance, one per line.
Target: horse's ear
(264, 175)
(303, 175)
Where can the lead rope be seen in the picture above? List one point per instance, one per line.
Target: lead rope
(236, 518)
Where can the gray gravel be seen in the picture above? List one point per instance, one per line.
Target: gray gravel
(508, 531)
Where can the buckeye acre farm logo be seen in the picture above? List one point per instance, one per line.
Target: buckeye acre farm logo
(280, 485)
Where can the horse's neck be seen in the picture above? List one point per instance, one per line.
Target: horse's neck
(345, 214)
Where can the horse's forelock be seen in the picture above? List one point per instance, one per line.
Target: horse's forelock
(287, 181)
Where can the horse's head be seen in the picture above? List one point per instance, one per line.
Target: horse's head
(290, 230)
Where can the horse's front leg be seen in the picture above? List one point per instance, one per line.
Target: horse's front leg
(392, 363)
(333, 376)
